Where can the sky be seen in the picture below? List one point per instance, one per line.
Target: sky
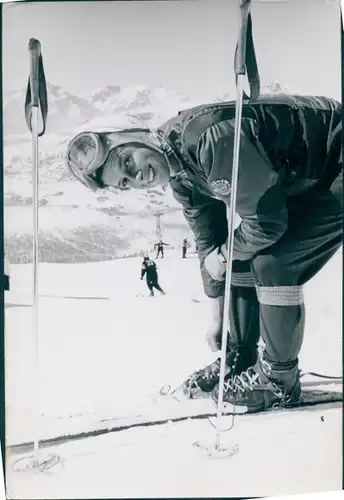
(187, 46)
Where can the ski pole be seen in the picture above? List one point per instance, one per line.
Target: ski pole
(240, 72)
(36, 97)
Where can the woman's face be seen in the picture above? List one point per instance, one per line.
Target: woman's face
(136, 167)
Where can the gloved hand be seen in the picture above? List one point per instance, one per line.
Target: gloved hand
(215, 263)
(214, 332)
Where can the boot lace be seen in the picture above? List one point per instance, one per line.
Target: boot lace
(205, 375)
(213, 370)
(249, 380)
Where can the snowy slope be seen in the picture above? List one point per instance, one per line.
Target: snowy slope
(119, 333)
(104, 357)
(164, 462)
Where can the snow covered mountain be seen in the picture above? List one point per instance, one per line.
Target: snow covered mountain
(271, 88)
(67, 110)
(132, 98)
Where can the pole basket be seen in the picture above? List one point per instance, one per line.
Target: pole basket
(45, 462)
(216, 453)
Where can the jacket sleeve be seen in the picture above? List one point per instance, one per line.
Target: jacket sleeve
(207, 220)
(260, 202)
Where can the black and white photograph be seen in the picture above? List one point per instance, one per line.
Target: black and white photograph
(173, 224)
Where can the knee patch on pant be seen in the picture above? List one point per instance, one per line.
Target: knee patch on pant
(280, 295)
(242, 280)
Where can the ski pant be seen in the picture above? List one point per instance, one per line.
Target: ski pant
(184, 252)
(266, 292)
(160, 251)
(154, 284)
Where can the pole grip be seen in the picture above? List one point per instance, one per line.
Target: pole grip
(35, 54)
(240, 59)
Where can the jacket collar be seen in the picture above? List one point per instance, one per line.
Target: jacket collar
(174, 163)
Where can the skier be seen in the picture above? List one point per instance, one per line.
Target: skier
(6, 273)
(149, 269)
(184, 248)
(289, 200)
(160, 249)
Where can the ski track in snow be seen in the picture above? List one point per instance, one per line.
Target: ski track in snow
(102, 358)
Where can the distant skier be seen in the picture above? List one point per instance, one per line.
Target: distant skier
(149, 269)
(160, 249)
(184, 248)
(6, 273)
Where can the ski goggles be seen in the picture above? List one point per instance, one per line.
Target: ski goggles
(90, 151)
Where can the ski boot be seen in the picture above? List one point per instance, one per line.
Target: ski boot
(202, 382)
(261, 387)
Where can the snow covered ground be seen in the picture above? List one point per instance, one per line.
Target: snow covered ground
(106, 356)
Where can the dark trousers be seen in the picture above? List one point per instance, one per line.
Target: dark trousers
(313, 236)
(160, 251)
(154, 284)
(184, 252)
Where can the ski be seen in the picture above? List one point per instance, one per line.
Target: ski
(313, 393)
(317, 394)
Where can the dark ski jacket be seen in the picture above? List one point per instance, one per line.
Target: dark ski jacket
(289, 145)
(160, 245)
(148, 268)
